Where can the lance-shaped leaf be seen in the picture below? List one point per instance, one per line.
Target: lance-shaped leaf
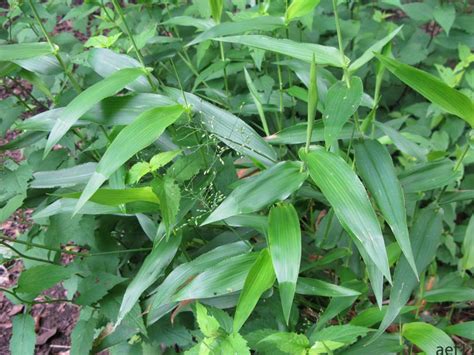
(341, 103)
(133, 138)
(169, 194)
(228, 128)
(425, 236)
(23, 337)
(376, 47)
(159, 258)
(88, 98)
(257, 102)
(223, 278)
(216, 9)
(346, 194)
(324, 55)
(375, 166)
(255, 193)
(467, 261)
(115, 197)
(284, 239)
(259, 279)
(10, 52)
(261, 23)
(432, 88)
(427, 337)
(299, 8)
(68, 177)
(184, 272)
(307, 286)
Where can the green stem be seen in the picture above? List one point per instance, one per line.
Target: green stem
(339, 41)
(55, 49)
(134, 44)
(24, 256)
(226, 84)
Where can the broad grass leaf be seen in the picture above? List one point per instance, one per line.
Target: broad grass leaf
(373, 315)
(260, 278)
(216, 9)
(425, 237)
(341, 103)
(324, 55)
(261, 23)
(159, 258)
(169, 194)
(450, 294)
(256, 99)
(116, 197)
(12, 52)
(132, 139)
(427, 337)
(335, 337)
(45, 65)
(179, 276)
(225, 277)
(271, 185)
(76, 175)
(23, 337)
(432, 88)
(376, 168)
(86, 99)
(284, 240)
(456, 196)
(105, 62)
(376, 47)
(465, 330)
(346, 194)
(386, 343)
(299, 8)
(467, 261)
(67, 205)
(228, 128)
(314, 287)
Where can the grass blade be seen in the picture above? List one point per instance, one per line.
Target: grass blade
(314, 287)
(375, 166)
(259, 279)
(299, 8)
(284, 240)
(432, 88)
(427, 337)
(256, 100)
(133, 138)
(11, 52)
(86, 99)
(346, 194)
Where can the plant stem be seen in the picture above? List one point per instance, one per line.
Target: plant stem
(134, 44)
(339, 41)
(226, 84)
(55, 49)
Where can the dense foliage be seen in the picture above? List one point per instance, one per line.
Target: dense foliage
(281, 177)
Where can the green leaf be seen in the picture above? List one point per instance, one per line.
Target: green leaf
(259, 279)
(178, 277)
(133, 138)
(450, 294)
(341, 103)
(346, 194)
(284, 240)
(467, 261)
(169, 194)
(227, 127)
(161, 159)
(336, 337)
(433, 89)
(45, 65)
(23, 337)
(137, 171)
(11, 52)
(115, 197)
(300, 8)
(304, 51)
(427, 337)
(288, 343)
(375, 166)
(41, 277)
(225, 277)
(88, 98)
(314, 287)
(257, 102)
(76, 175)
(208, 325)
(425, 237)
(445, 16)
(271, 185)
(216, 9)
(376, 47)
(465, 330)
(373, 315)
(159, 258)
(82, 336)
(261, 23)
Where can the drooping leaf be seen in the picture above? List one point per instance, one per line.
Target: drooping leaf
(299, 8)
(159, 258)
(304, 51)
(11, 52)
(284, 239)
(427, 337)
(23, 337)
(467, 261)
(465, 330)
(115, 197)
(346, 194)
(133, 138)
(307, 286)
(376, 168)
(257, 101)
(86, 99)
(433, 89)
(273, 184)
(335, 337)
(260, 278)
(67, 177)
(341, 103)
(450, 294)
(169, 194)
